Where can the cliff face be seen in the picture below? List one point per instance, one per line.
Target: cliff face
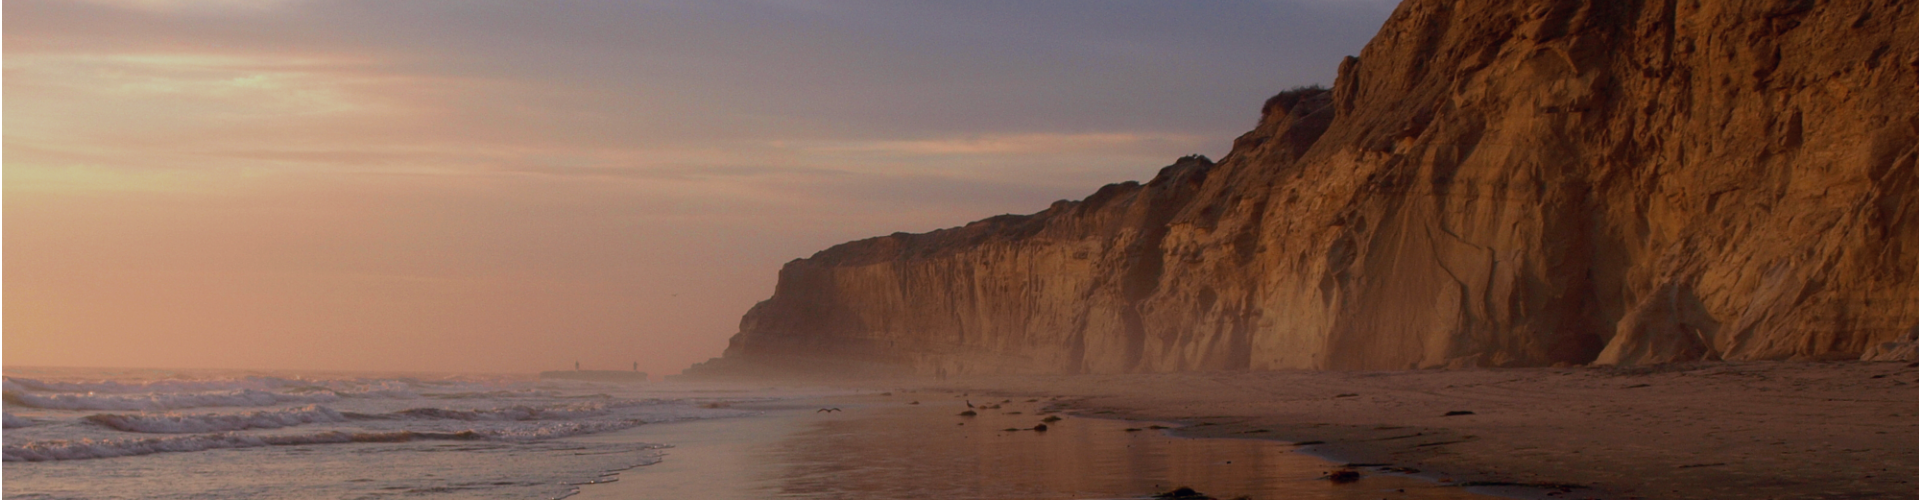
(1490, 183)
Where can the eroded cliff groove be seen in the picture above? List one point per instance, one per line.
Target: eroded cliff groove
(1489, 183)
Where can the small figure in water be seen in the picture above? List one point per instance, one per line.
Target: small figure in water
(636, 366)
(576, 366)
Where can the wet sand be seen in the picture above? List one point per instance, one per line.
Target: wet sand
(1704, 431)
(883, 447)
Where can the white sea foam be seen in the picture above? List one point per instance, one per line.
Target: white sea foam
(467, 436)
(39, 451)
(16, 384)
(180, 424)
(164, 401)
(559, 429)
(83, 449)
(510, 413)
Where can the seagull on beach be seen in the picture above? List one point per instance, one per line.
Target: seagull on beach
(827, 410)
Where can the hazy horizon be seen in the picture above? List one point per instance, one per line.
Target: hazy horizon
(508, 187)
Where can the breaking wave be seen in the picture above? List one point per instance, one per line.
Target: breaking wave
(83, 449)
(15, 384)
(170, 423)
(181, 424)
(13, 422)
(510, 413)
(163, 401)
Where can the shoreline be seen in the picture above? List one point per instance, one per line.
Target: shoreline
(912, 442)
(1723, 430)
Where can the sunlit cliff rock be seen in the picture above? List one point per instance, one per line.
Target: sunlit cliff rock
(1489, 183)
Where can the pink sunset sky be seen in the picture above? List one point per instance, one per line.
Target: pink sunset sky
(512, 186)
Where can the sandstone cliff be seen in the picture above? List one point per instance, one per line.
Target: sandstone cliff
(1490, 183)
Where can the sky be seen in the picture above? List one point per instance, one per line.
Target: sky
(514, 186)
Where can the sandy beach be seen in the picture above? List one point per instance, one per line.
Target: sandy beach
(1756, 430)
(916, 445)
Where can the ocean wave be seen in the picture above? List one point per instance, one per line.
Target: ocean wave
(84, 449)
(560, 429)
(16, 384)
(40, 451)
(165, 401)
(182, 424)
(13, 422)
(500, 394)
(510, 413)
(368, 388)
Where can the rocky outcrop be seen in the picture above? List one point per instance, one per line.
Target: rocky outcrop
(1490, 183)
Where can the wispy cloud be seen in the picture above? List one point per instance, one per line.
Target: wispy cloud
(1007, 144)
(536, 166)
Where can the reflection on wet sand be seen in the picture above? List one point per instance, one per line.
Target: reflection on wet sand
(894, 451)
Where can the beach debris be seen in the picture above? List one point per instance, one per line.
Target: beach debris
(827, 410)
(1006, 401)
(1304, 443)
(914, 403)
(1158, 427)
(1013, 429)
(1342, 476)
(1040, 428)
(716, 404)
(1637, 386)
(1134, 429)
(969, 403)
(1051, 419)
(1346, 395)
(1456, 413)
(968, 413)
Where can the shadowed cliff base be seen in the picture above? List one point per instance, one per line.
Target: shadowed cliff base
(1488, 184)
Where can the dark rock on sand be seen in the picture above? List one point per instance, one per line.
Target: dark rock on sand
(1183, 493)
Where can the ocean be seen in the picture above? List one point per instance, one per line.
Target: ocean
(165, 434)
(186, 434)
